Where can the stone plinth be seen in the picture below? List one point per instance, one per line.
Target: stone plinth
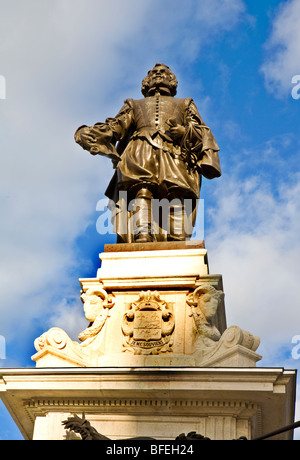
(152, 305)
(152, 264)
(120, 403)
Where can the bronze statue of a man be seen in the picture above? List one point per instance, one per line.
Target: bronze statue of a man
(160, 148)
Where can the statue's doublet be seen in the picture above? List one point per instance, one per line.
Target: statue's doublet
(151, 155)
(148, 153)
(152, 113)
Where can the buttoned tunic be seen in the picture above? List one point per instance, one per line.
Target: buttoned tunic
(149, 154)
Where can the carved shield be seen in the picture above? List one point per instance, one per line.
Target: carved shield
(147, 325)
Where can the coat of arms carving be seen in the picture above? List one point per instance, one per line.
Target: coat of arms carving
(148, 325)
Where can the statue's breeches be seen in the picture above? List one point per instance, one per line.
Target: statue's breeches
(142, 162)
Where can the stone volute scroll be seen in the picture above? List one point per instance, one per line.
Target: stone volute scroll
(55, 346)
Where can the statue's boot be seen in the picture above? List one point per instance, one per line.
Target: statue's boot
(180, 226)
(142, 217)
(177, 218)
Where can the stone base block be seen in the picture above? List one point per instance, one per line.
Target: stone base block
(161, 403)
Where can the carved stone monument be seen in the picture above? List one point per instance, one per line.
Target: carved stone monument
(168, 313)
(156, 358)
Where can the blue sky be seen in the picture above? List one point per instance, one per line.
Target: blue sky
(67, 63)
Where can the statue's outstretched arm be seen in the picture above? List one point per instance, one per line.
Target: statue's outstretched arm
(101, 138)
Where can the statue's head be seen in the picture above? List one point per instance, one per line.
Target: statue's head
(209, 299)
(160, 76)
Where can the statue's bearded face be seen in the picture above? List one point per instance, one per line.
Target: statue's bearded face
(160, 77)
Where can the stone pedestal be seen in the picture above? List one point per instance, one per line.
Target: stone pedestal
(156, 359)
(120, 403)
(152, 305)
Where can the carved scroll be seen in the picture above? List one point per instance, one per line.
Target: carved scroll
(62, 345)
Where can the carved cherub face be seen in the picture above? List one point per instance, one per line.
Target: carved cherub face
(93, 305)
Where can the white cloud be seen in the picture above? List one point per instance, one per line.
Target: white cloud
(196, 24)
(69, 317)
(283, 49)
(49, 186)
(254, 244)
(68, 62)
(223, 14)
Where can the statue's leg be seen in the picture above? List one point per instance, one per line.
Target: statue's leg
(177, 220)
(180, 215)
(141, 218)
